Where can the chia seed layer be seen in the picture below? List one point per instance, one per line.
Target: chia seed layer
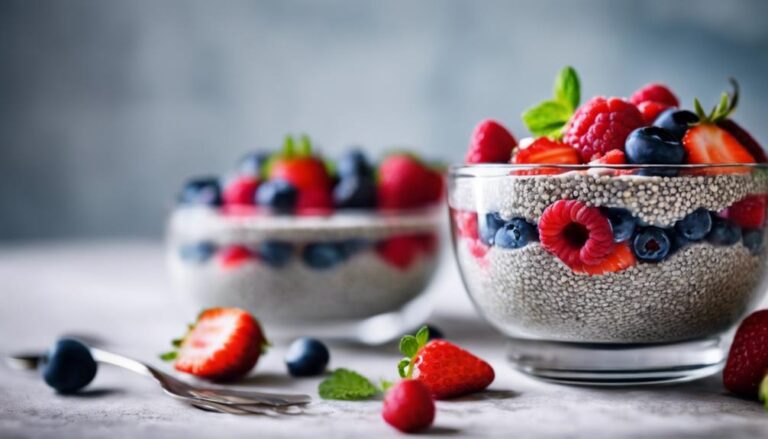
(659, 201)
(700, 290)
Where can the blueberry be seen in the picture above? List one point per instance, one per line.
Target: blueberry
(654, 146)
(753, 240)
(306, 357)
(354, 164)
(677, 239)
(204, 190)
(69, 366)
(622, 223)
(353, 246)
(279, 195)
(253, 164)
(488, 224)
(516, 233)
(676, 122)
(651, 244)
(275, 253)
(198, 252)
(355, 192)
(723, 232)
(695, 225)
(323, 255)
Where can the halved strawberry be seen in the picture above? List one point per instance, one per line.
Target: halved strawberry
(223, 344)
(709, 144)
(746, 140)
(546, 151)
(620, 259)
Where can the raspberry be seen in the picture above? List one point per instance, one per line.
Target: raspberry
(576, 233)
(657, 93)
(651, 110)
(408, 406)
(748, 358)
(748, 212)
(241, 191)
(234, 256)
(466, 224)
(600, 125)
(490, 143)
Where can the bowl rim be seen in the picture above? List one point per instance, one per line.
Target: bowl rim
(472, 169)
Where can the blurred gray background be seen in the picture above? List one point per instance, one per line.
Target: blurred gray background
(106, 106)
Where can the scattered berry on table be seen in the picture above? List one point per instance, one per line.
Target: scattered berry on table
(231, 354)
(676, 122)
(576, 233)
(275, 253)
(600, 125)
(651, 244)
(234, 256)
(278, 195)
(490, 143)
(323, 255)
(408, 406)
(197, 252)
(748, 212)
(515, 233)
(655, 92)
(241, 191)
(205, 191)
(748, 358)
(622, 223)
(753, 239)
(723, 232)
(69, 366)
(695, 225)
(488, 224)
(306, 357)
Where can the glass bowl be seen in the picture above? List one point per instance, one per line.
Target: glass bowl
(627, 320)
(352, 275)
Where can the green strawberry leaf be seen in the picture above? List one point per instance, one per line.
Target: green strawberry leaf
(422, 335)
(402, 367)
(346, 385)
(409, 345)
(168, 356)
(724, 108)
(547, 119)
(567, 88)
(304, 148)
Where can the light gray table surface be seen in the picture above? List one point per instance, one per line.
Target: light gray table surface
(119, 291)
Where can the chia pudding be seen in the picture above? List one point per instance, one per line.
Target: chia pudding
(288, 270)
(696, 288)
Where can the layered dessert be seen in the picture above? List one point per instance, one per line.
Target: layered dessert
(627, 221)
(296, 238)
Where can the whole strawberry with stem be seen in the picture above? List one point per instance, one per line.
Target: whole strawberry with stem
(447, 370)
(297, 165)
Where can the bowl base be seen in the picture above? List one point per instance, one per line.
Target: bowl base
(598, 364)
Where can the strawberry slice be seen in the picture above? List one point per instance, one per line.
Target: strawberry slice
(546, 151)
(223, 345)
(710, 144)
(746, 140)
(612, 157)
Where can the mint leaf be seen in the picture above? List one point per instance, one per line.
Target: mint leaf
(168, 356)
(568, 88)
(547, 118)
(346, 385)
(422, 335)
(409, 345)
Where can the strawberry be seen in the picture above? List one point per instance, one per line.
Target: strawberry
(314, 201)
(234, 256)
(748, 213)
(651, 110)
(748, 358)
(401, 251)
(656, 93)
(548, 151)
(408, 406)
(746, 140)
(465, 224)
(612, 157)
(600, 125)
(406, 183)
(223, 344)
(447, 370)
(296, 165)
(241, 191)
(620, 259)
(490, 143)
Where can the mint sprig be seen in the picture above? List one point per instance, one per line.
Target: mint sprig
(346, 385)
(410, 345)
(550, 117)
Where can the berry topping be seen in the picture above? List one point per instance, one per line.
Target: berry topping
(198, 252)
(278, 195)
(620, 259)
(695, 225)
(253, 164)
(490, 143)
(205, 191)
(602, 124)
(488, 224)
(354, 164)
(651, 244)
(515, 233)
(724, 232)
(651, 110)
(409, 407)
(69, 366)
(447, 370)
(707, 143)
(223, 344)
(748, 358)
(622, 223)
(612, 157)
(745, 139)
(655, 93)
(676, 122)
(546, 151)
(323, 255)
(653, 145)
(234, 256)
(576, 233)
(241, 191)
(753, 239)
(298, 166)
(275, 253)
(306, 357)
(748, 212)
(355, 192)
(314, 201)
(406, 183)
